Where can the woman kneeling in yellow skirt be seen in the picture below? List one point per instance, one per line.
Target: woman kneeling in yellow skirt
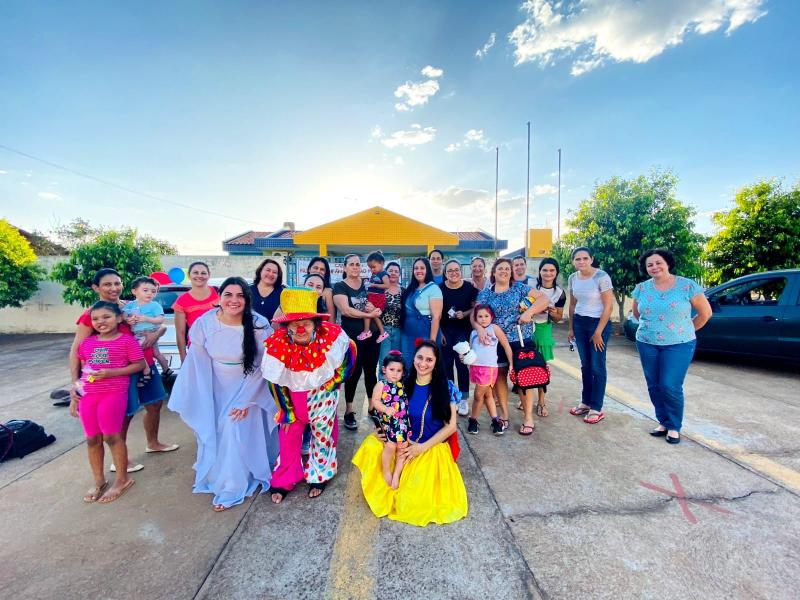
(431, 488)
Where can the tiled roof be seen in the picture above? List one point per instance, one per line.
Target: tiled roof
(286, 234)
(474, 236)
(248, 238)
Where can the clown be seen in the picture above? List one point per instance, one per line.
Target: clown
(305, 362)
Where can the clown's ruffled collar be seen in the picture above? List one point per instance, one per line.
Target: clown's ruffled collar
(305, 367)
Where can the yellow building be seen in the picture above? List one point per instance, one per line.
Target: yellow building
(373, 229)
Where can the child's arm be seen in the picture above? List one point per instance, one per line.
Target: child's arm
(154, 320)
(132, 368)
(503, 341)
(375, 401)
(384, 285)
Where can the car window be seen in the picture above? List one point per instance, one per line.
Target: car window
(757, 292)
(166, 300)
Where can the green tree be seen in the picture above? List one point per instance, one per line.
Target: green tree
(760, 233)
(127, 252)
(623, 218)
(19, 273)
(79, 232)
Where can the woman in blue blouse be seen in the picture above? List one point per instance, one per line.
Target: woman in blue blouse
(666, 335)
(420, 308)
(431, 488)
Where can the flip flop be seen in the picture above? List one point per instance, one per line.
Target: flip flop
(579, 410)
(118, 496)
(220, 507)
(131, 468)
(94, 494)
(595, 418)
(169, 448)
(526, 430)
(280, 491)
(541, 410)
(316, 486)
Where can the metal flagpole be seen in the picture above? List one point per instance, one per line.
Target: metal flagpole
(496, 188)
(558, 227)
(527, 198)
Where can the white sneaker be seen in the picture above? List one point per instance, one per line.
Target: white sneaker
(463, 409)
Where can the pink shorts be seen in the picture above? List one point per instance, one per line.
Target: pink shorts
(103, 413)
(480, 375)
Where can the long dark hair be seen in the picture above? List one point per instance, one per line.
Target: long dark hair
(249, 346)
(547, 261)
(413, 285)
(265, 262)
(326, 279)
(102, 273)
(439, 390)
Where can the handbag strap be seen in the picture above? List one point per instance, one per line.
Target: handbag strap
(519, 333)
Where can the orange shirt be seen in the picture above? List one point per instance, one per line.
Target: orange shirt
(192, 308)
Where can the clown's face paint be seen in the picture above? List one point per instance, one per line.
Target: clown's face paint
(302, 331)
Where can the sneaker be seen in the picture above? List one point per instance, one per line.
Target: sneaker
(497, 427)
(472, 427)
(350, 421)
(463, 409)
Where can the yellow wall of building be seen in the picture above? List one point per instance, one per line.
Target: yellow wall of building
(376, 227)
(540, 243)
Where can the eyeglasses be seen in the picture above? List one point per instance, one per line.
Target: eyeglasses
(451, 271)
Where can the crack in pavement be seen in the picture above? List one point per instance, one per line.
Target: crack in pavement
(656, 506)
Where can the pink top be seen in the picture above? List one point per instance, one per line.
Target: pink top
(192, 308)
(96, 354)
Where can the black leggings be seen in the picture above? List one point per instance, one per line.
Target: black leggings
(366, 361)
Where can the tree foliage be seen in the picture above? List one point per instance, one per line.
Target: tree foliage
(79, 232)
(19, 273)
(127, 252)
(624, 217)
(760, 233)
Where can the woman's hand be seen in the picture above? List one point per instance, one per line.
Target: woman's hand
(101, 374)
(597, 340)
(390, 410)
(369, 307)
(525, 318)
(411, 451)
(379, 433)
(571, 335)
(73, 405)
(150, 338)
(459, 314)
(237, 414)
(483, 337)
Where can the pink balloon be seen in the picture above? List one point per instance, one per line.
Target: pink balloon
(161, 277)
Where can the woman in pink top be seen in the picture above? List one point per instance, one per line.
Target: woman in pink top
(193, 304)
(108, 359)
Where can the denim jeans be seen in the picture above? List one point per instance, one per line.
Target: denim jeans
(593, 362)
(393, 342)
(665, 369)
(450, 357)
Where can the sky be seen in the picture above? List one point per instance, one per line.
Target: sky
(195, 121)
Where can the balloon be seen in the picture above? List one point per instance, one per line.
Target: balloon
(161, 277)
(176, 274)
(186, 274)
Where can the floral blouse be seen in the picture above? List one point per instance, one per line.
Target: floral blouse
(391, 312)
(666, 317)
(506, 309)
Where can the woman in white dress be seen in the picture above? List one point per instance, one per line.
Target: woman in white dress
(221, 395)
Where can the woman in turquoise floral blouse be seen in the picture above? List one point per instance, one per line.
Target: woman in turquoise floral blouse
(666, 336)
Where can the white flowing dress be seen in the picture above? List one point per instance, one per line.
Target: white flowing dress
(233, 457)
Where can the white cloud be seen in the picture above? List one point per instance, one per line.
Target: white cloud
(473, 137)
(2, 172)
(410, 137)
(415, 94)
(49, 196)
(376, 132)
(593, 32)
(544, 189)
(432, 72)
(457, 197)
(482, 51)
(399, 161)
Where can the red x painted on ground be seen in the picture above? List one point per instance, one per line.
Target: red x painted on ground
(683, 502)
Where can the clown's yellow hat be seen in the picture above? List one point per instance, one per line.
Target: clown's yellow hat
(298, 303)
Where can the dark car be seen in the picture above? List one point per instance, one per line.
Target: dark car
(754, 315)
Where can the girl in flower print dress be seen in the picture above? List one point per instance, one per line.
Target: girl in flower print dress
(390, 401)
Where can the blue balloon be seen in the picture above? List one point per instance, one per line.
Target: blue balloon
(176, 274)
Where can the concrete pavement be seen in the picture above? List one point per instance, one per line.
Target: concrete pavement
(576, 512)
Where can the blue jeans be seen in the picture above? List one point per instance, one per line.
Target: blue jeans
(393, 342)
(665, 369)
(450, 358)
(593, 362)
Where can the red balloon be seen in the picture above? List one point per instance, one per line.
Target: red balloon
(161, 277)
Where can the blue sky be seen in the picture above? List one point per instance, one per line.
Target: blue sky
(273, 112)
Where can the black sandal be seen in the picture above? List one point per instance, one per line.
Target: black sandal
(167, 374)
(280, 491)
(316, 486)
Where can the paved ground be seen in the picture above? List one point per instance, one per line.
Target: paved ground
(575, 512)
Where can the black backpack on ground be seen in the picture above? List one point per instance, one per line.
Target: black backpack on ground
(25, 437)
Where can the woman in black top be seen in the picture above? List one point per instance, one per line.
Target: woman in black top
(350, 299)
(267, 287)
(458, 298)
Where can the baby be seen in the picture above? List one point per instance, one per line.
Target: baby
(145, 315)
(376, 286)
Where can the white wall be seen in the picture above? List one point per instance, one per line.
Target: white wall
(47, 312)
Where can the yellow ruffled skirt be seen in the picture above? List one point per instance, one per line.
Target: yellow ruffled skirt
(431, 488)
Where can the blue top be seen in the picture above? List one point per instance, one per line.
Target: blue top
(666, 317)
(151, 309)
(506, 309)
(377, 278)
(415, 405)
(437, 279)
